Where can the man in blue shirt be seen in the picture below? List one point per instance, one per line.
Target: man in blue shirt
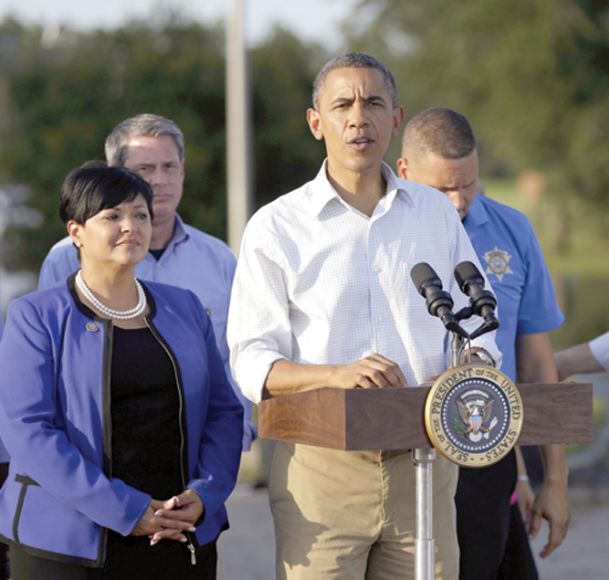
(153, 147)
(439, 150)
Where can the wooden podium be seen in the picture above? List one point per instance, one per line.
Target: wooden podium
(360, 419)
(366, 419)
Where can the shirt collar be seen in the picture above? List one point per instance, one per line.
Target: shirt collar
(179, 232)
(477, 214)
(322, 192)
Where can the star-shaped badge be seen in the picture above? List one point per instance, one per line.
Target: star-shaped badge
(498, 263)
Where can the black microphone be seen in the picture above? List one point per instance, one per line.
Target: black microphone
(439, 302)
(482, 301)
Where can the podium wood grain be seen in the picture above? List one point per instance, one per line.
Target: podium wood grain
(360, 419)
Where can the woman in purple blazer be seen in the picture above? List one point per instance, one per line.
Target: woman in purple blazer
(123, 430)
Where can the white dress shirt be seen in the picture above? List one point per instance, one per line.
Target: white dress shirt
(319, 282)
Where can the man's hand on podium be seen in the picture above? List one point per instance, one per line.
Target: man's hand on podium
(374, 371)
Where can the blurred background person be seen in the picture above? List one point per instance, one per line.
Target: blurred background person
(123, 430)
(439, 150)
(587, 357)
(153, 147)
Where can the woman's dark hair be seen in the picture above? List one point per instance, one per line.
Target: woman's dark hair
(95, 186)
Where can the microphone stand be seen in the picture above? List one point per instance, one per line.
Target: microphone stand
(423, 462)
(440, 303)
(424, 541)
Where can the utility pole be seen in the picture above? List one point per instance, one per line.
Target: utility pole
(238, 163)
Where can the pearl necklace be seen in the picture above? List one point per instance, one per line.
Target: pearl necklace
(109, 312)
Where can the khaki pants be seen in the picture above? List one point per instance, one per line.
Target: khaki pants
(350, 515)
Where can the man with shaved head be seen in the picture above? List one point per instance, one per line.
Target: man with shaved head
(439, 149)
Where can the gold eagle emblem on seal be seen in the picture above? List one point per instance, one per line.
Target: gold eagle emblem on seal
(473, 415)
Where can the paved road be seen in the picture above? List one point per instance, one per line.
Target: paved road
(247, 549)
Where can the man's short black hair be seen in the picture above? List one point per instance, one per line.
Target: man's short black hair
(354, 60)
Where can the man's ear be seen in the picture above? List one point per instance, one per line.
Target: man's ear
(314, 122)
(398, 119)
(402, 167)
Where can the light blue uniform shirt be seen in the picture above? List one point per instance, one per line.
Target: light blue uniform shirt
(193, 260)
(512, 260)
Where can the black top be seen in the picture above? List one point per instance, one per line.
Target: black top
(146, 454)
(145, 414)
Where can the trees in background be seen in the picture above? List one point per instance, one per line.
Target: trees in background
(533, 77)
(62, 91)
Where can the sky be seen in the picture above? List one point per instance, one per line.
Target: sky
(311, 20)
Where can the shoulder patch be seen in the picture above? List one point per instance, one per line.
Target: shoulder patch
(498, 263)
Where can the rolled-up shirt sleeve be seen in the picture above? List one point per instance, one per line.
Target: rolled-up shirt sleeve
(259, 329)
(600, 349)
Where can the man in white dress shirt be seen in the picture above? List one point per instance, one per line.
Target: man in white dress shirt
(322, 297)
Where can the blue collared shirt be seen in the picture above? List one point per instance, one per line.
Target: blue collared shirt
(513, 262)
(193, 260)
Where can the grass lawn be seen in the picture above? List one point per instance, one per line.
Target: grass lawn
(588, 250)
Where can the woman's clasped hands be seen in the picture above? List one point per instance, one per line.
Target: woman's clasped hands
(170, 519)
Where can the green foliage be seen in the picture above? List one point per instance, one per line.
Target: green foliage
(580, 274)
(62, 93)
(286, 154)
(532, 76)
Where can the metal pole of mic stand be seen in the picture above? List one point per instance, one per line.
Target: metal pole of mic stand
(424, 540)
(423, 462)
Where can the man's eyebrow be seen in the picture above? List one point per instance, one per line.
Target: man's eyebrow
(339, 100)
(367, 99)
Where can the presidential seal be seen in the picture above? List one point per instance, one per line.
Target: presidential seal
(473, 415)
